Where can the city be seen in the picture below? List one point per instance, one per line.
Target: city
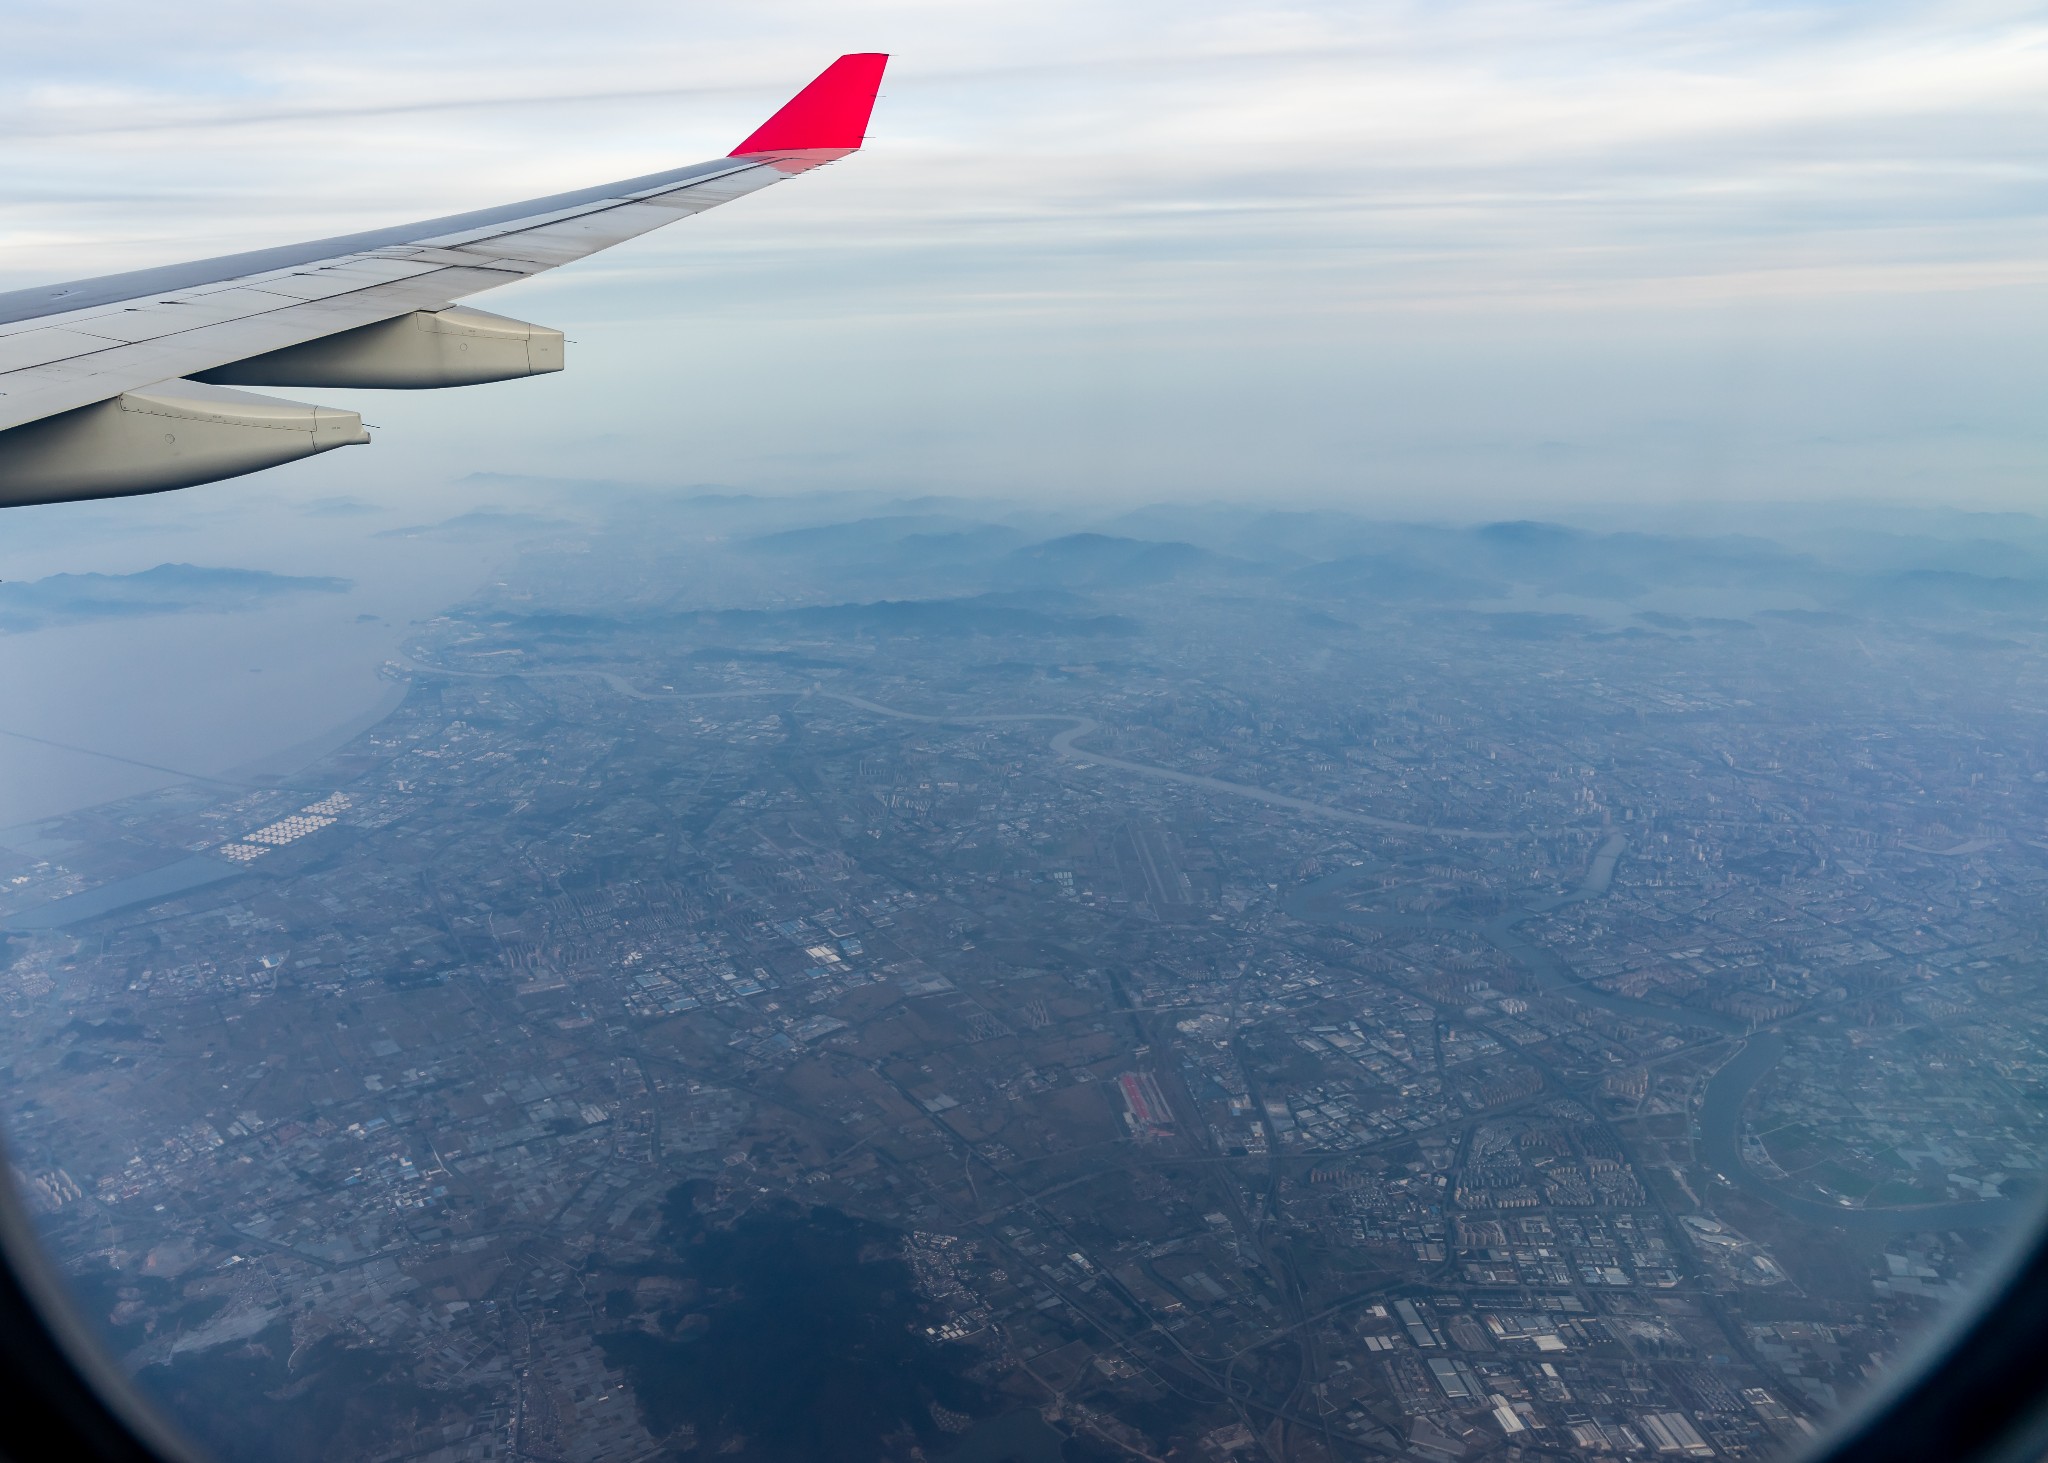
(1116, 1001)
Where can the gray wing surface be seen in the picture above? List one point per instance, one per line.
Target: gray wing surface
(125, 384)
(67, 346)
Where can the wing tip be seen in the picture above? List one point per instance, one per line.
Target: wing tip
(830, 114)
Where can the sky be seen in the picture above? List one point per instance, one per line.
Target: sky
(1449, 258)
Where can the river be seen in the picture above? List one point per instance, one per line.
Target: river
(1719, 1148)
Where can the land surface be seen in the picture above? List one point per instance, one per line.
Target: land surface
(1305, 992)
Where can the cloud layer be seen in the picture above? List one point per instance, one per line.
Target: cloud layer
(1404, 252)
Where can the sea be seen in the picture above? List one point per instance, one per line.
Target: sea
(106, 708)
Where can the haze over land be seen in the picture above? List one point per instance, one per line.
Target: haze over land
(144, 632)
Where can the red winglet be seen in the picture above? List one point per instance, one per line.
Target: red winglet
(830, 113)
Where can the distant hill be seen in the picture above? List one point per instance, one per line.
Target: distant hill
(1107, 561)
(873, 548)
(65, 599)
(1940, 591)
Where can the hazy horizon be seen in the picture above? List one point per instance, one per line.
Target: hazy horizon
(180, 636)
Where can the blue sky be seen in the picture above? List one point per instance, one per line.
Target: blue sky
(1454, 257)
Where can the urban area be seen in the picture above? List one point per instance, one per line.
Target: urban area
(1123, 996)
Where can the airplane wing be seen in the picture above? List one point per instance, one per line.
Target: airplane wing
(122, 384)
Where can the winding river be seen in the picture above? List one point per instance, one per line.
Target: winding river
(1719, 1147)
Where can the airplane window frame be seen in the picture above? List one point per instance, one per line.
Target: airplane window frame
(1975, 1387)
(64, 1397)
